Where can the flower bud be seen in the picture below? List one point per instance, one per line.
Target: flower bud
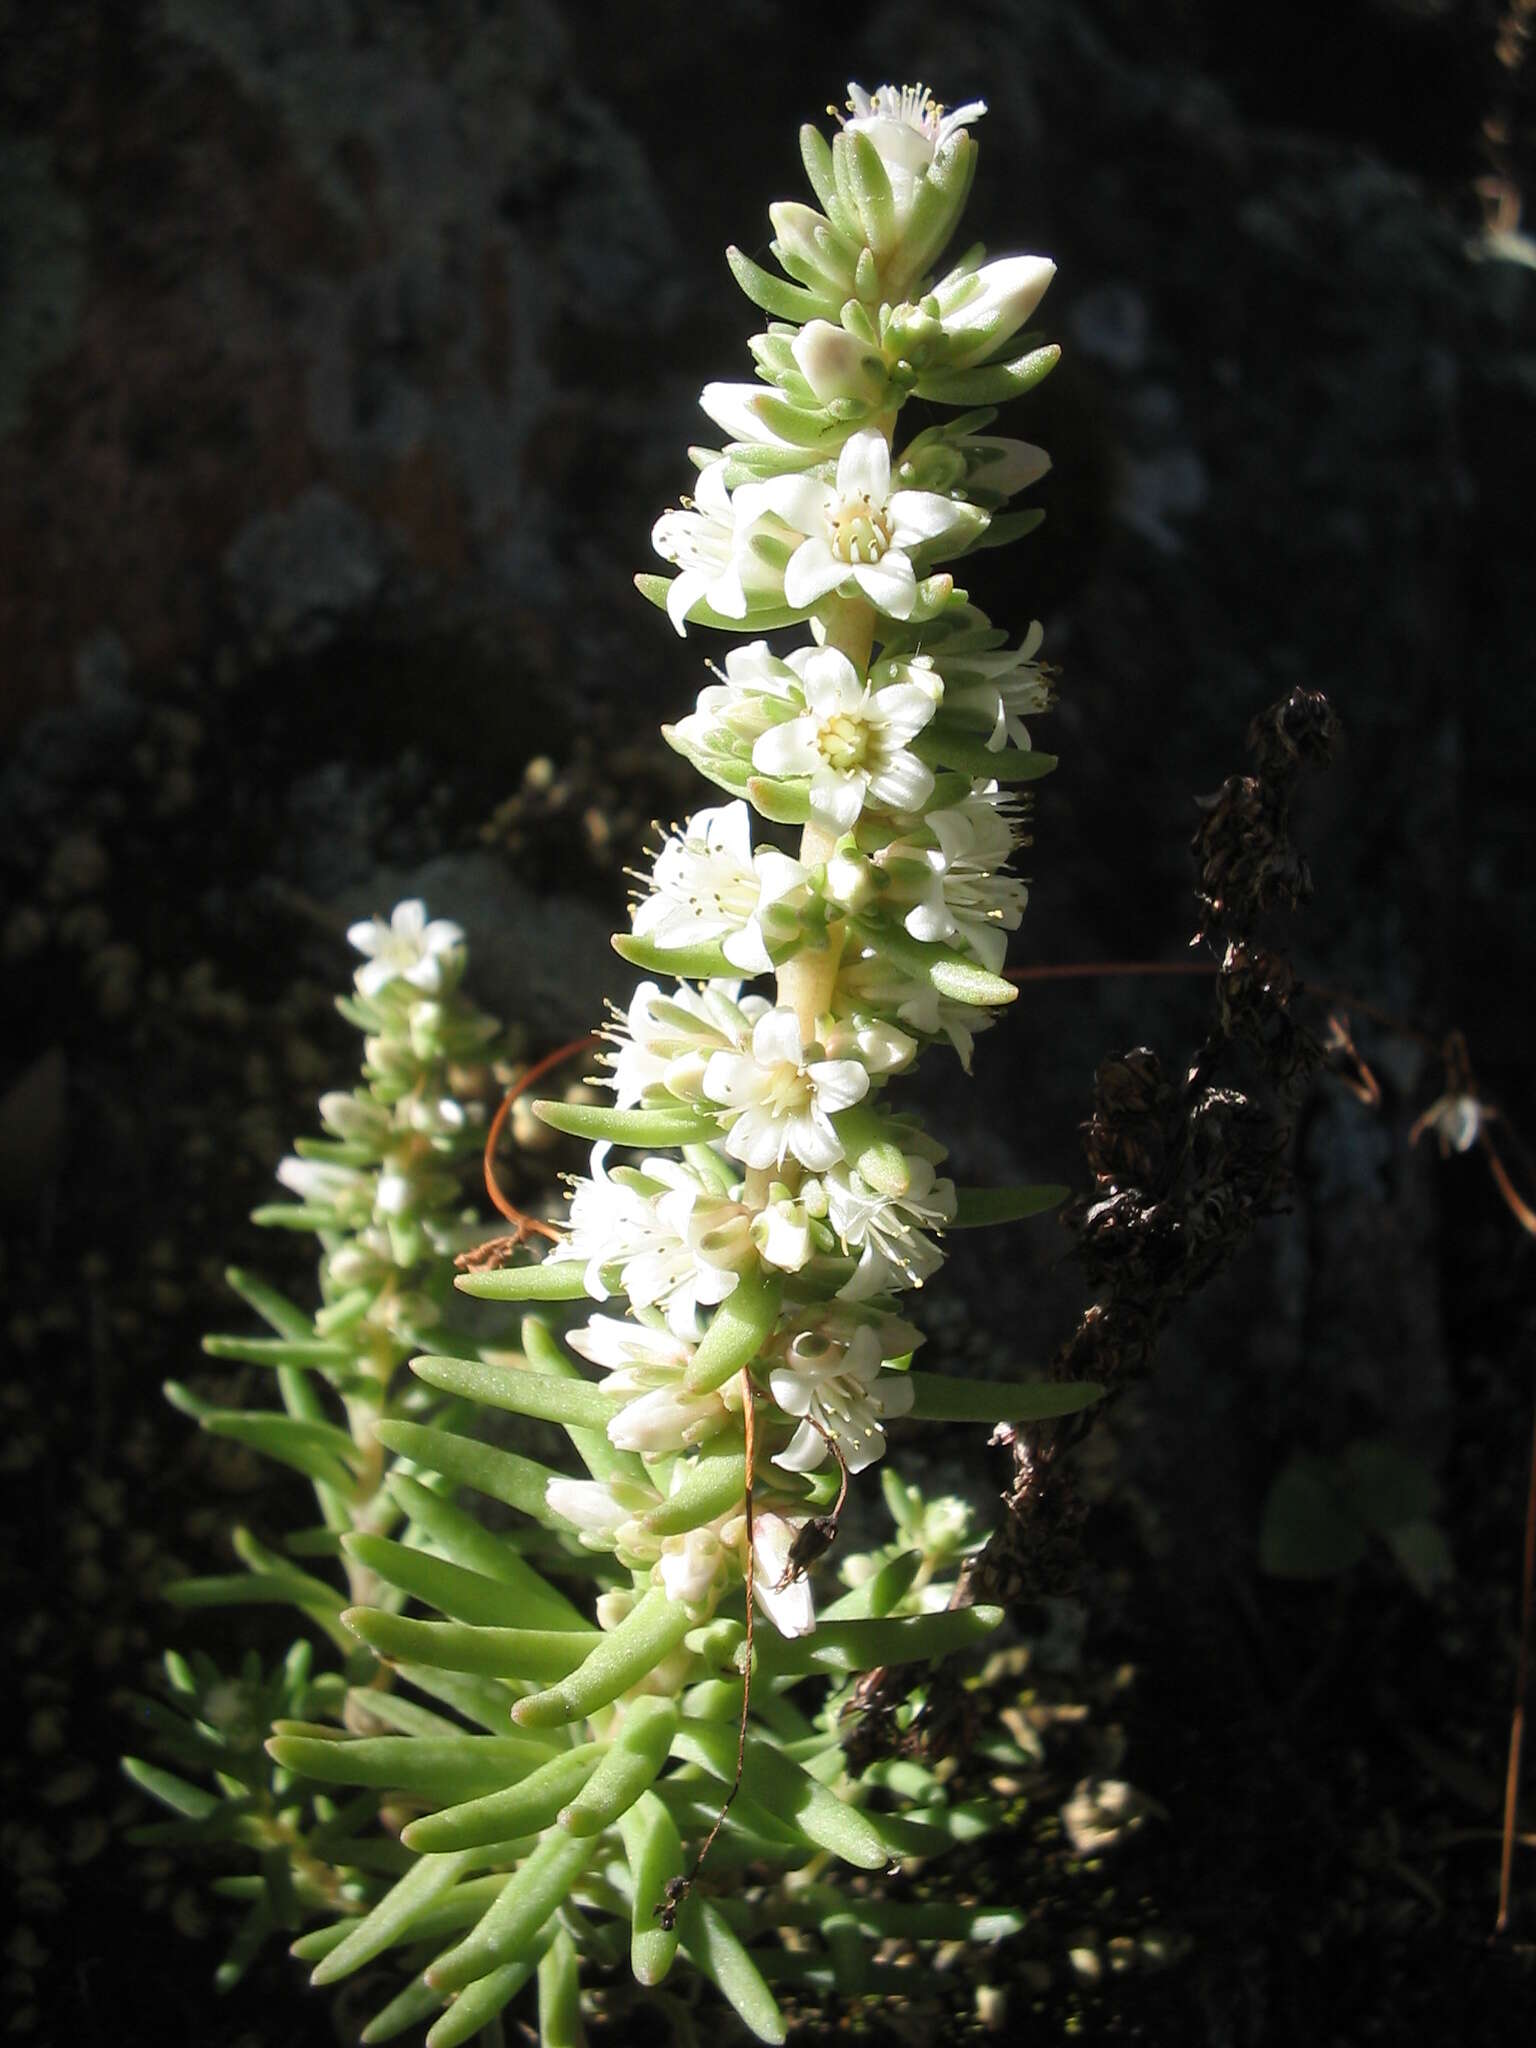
(837, 365)
(982, 309)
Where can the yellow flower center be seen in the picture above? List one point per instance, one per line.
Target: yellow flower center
(857, 530)
(843, 742)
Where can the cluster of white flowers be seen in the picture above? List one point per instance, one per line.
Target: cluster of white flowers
(384, 1185)
(890, 736)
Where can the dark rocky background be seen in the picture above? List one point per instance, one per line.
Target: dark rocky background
(347, 353)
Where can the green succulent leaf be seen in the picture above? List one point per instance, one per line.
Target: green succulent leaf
(936, 1397)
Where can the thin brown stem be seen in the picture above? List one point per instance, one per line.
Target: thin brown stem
(1517, 1719)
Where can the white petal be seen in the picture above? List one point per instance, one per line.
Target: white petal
(800, 501)
(812, 1139)
(839, 1084)
(836, 800)
(811, 572)
(788, 749)
(903, 784)
(806, 1449)
(864, 467)
(757, 1139)
(918, 516)
(776, 1038)
(889, 584)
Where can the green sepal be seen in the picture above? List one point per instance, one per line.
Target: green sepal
(390, 1920)
(507, 1476)
(317, 1449)
(546, 1280)
(711, 1946)
(541, 1394)
(640, 1128)
(602, 1459)
(539, 1889)
(941, 746)
(474, 1548)
(935, 213)
(949, 973)
(843, 1648)
(275, 1309)
(989, 383)
(784, 1789)
(530, 1654)
(759, 619)
(710, 1486)
(192, 1802)
(936, 1397)
(738, 1330)
(305, 1354)
(866, 183)
(297, 1216)
(560, 1995)
(976, 1208)
(784, 801)
(634, 1758)
(801, 428)
(526, 1808)
(683, 963)
(776, 295)
(653, 1849)
(427, 1767)
(816, 155)
(626, 1654)
(408, 2008)
(881, 1161)
(474, 2010)
(1008, 527)
(460, 1594)
(878, 1595)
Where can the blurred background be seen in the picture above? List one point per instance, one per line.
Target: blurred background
(347, 354)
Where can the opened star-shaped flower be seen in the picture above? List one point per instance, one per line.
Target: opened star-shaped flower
(859, 534)
(407, 949)
(852, 741)
(842, 1397)
(709, 883)
(784, 1101)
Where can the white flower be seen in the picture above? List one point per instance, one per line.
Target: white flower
(606, 1514)
(908, 127)
(666, 1039)
(648, 1365)
(713, 550)
(838, 1390)
(1003, 688)
(858, 532)
(851, 741)
(869, 981)
(349, 1190)
(981, 309)
(888, 1231)
(792, 1609)
(407, 949)
(961, 896)
(709, 883)
(653, 1232)
(784, 1101)
(695, 1567)
(782, 1233)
